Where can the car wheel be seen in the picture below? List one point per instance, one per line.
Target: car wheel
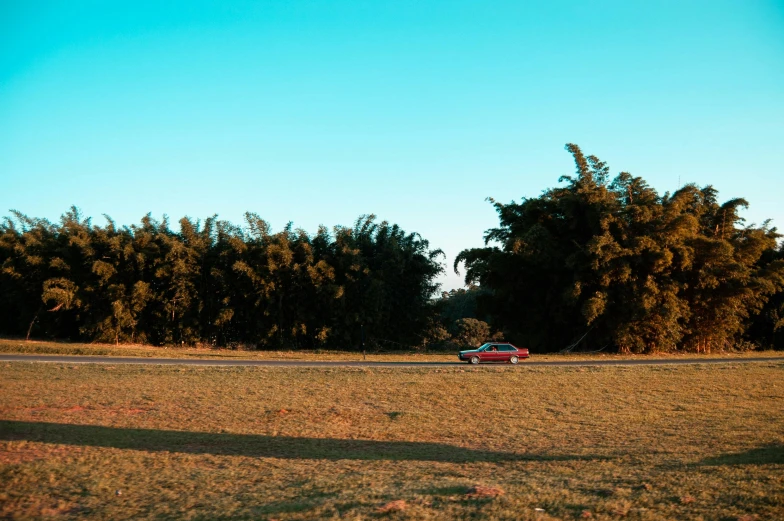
(474, 360)
(513, 360)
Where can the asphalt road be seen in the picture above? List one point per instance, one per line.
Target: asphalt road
(295, 363)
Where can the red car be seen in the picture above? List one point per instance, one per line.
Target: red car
(494, 352)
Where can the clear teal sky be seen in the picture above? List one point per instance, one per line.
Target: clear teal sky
(317, 112)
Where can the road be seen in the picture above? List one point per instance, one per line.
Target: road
(298, 363)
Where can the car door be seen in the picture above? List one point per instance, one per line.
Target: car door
(492, 354)
(504, 353)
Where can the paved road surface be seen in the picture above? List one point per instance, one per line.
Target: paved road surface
(296, 363)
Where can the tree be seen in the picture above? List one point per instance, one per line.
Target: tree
(214, 282)
(470, 332)
(600, 263)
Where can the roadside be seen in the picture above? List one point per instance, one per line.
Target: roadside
(32, 347)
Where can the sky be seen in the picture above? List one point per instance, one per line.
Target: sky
(416, 111)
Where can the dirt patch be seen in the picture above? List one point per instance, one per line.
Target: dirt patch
(62, 508)
(124, 411)
(111, 411)
(393, 506)
(45, 408)
(17, 453)
(21, 455)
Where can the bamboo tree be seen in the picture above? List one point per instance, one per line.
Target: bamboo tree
(601, 264)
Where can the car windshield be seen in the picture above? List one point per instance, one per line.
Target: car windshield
(484, 347)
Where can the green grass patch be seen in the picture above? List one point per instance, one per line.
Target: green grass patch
(153, 442)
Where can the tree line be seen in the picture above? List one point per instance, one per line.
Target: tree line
(214, 283)
(601, 263)
(593, 264)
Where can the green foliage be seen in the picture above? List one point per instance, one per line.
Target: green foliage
(612, 263)
(214, 282)
(457, 322)
(459, 303)
(470, 332)
(767, 327)
(594, 263)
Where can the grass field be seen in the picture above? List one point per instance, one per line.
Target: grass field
(136, 350)
(157, 442)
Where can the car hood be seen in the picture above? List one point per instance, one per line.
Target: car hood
(469, 351)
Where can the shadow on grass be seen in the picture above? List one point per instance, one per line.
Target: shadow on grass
(759, 456)
(445, 491)
(256, 445)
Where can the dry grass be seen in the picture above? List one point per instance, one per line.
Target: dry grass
(150, 442)
(138, 350)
